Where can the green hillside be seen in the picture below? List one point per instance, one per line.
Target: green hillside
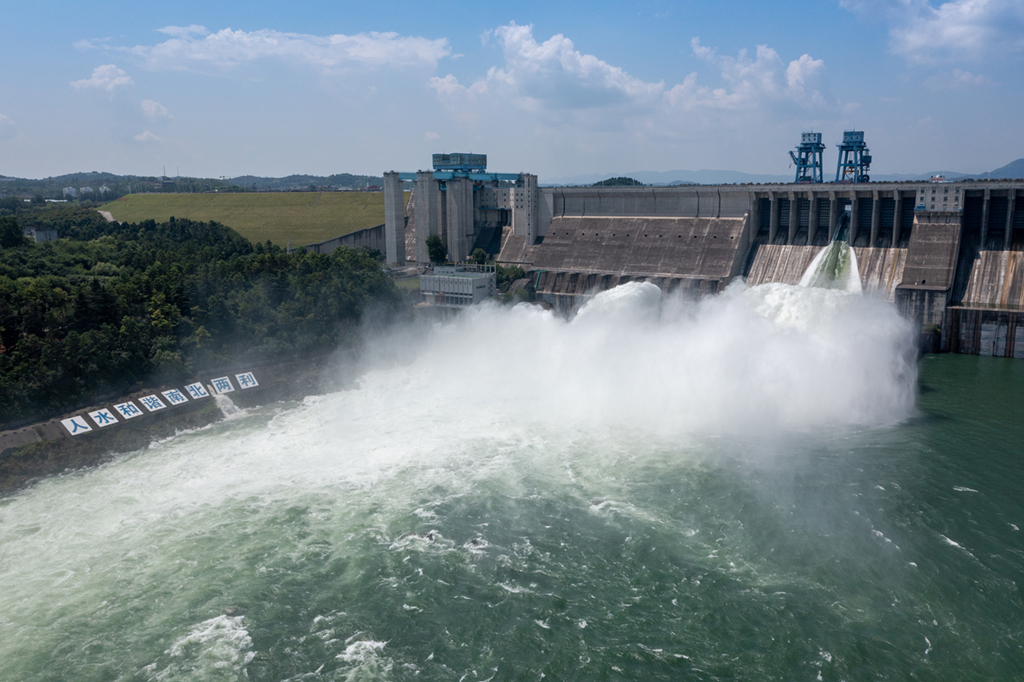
(301, 217)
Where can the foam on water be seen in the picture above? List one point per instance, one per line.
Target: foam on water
(216, 649)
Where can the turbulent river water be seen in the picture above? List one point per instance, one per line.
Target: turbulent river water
(766, 485)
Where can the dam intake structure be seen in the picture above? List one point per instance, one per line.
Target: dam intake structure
(948, 255)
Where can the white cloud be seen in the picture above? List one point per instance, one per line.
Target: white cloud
(556, 73)
(957, 78)
(107, 77)
(153, 109)
(195, 47)
(147, 136)
(763, 80)
(5, 121)
(431, 136)
(553, 76)
(449, 85)
(924, 32)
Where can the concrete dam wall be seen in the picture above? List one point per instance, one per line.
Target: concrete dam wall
(704, 248)
(584, 255)
(881, 269)
(949, 255)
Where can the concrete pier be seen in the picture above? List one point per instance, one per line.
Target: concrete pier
(460, 219)
(427, 214)
(394, 220)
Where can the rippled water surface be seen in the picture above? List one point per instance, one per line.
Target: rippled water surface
(762, 486)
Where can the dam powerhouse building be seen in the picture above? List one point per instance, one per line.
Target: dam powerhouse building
(948, 254)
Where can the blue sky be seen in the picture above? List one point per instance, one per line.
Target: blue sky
(558, 89)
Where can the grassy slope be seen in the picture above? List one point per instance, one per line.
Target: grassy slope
(302, 217)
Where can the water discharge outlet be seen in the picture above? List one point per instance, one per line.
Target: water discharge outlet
(835, 267)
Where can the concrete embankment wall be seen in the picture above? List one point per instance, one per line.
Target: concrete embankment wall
(996, 280)
(584, 255)
(689, 238)
(705, 248)
(783, 263)
(727, 201)
(986, 312)
(48, 447)
(372, 237)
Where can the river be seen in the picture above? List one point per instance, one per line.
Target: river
(767, 485)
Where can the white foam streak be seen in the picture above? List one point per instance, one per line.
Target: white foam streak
(216, 649)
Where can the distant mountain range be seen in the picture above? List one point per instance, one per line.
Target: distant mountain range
(724, 177)
(116, 185)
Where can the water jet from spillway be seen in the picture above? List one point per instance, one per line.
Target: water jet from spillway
(835, 267)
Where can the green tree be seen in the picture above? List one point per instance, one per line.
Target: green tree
(10, 233)
(619, 182)
(479, 256)
(436, 249)
(506, 276)
(112, 305)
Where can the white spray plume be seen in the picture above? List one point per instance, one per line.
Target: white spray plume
(769, 357)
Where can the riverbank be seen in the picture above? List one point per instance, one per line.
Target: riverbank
(45, 448)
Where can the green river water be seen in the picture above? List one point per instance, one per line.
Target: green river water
(764, 486)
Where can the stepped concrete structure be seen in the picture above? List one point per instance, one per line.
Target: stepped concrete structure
(948, 254)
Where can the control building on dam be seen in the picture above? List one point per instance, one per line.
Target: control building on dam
(948, 254)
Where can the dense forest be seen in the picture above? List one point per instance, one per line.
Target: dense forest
(109, 306)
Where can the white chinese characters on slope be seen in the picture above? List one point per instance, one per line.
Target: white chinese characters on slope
(76, 425)
(104, 417)
(197, 390)
(223, 385)
(175, 397)
(128, 410)
(152, 403)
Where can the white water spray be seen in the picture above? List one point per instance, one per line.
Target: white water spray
(227, 405)
(835, 267)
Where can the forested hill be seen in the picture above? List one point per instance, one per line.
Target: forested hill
(110, 306)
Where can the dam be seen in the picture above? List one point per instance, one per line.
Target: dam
(949, 255)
